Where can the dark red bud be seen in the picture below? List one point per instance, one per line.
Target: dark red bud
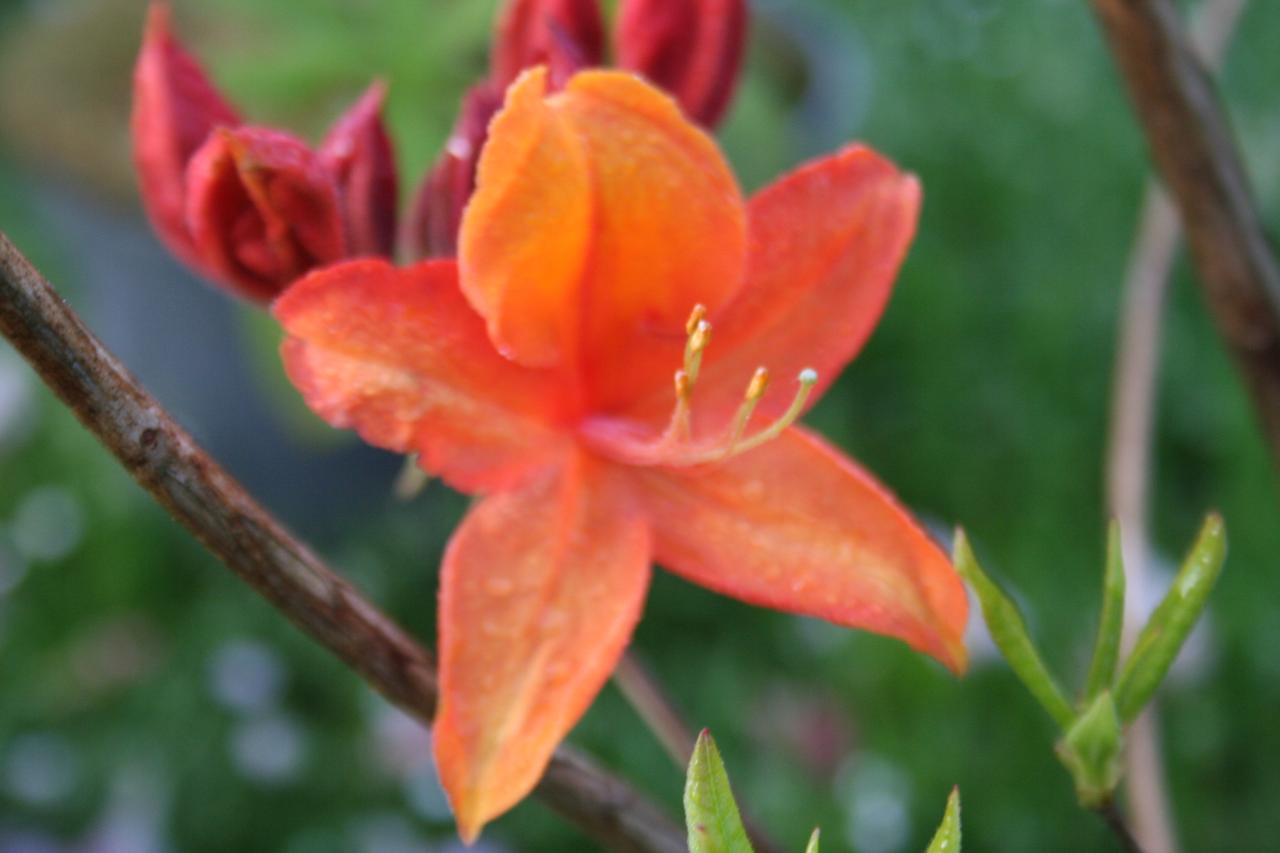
(358, 152)
(564, 35)
(175, 108)
(437, 209)
(691, 48)
(262, 210)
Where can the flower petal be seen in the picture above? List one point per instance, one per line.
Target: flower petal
(358, 151)
(175, 108)
(796, 526)
(540, 591)
(399, 356)
(262, 210)
(826, 242)
(600, 215)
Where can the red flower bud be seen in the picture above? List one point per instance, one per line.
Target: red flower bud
(691, 48)
(262, 210)
(437, 209)
(175, 108)
(358, 152)
(564, 35)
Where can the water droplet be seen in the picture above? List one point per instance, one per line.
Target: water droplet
(553, 619)
(499, 586)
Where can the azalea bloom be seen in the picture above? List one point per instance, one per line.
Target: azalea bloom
(252, 208)
(615, 364)
(691, 48)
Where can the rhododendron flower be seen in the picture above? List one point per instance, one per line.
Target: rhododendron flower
(253, 208)
(615, 364)
(691, 48)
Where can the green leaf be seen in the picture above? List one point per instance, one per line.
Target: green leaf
(1091, 751)
(1172, 621)
(1009, 633)
(947, 838)
(1106, 650)
(709, 808)
(812, 846)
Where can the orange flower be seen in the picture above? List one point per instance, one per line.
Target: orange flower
(606, 247)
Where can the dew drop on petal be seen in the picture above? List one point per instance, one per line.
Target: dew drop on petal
(498, 585)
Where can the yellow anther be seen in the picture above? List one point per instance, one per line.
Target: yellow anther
(680, 426)
(737, 444)
(698, 340)
(759, 384)
(696, 316)
(700, 336)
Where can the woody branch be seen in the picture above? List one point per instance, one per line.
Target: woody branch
(164, 459)
(1191, 143)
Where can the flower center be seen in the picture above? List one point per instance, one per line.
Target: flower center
(677, 441)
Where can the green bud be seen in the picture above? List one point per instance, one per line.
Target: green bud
(1091, 751)
(1172, 621)
(710, 811)
(1106, 650)
(1009, 633)
(947, 838)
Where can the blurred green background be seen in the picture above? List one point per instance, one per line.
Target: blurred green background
(148, 702)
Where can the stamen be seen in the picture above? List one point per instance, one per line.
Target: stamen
(806, 380)
(696, 316)
(731, 443)
(755, 390)
(680, 428)
(693, 348)
(677, 446)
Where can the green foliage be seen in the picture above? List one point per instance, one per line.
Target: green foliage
(1106, 650)
(1093, 736)
(1009, 632)
(1173, 619)
(947, 838)
(709, 808)
(1091, 751)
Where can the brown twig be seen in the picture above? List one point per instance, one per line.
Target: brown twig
(1192, 146)
(167, 462)
(1132, 417)
(1115, 822)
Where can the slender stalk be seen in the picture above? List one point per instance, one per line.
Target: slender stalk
(1191, 143)
(645, 695)
(655, 710)
(1131, 429)
(164, 459)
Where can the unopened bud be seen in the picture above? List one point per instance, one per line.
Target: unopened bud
(432, 230)
(564, 35)
(691, 48)
(358, 153)
(262, 210)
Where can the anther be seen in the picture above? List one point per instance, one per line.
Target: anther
(694, 347)
(755, 391)
(680, 426)
(696, 317)
(806, 380)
